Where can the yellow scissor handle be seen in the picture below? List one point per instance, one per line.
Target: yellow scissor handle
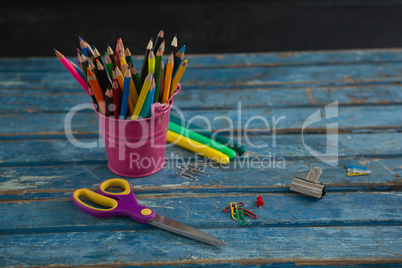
(95, 197)
(233, 210)
(116, 182)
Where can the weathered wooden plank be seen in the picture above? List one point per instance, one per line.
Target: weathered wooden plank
(244, 245)
(265, 119)
(294, 76)
(253, 175)
(34, 101)
(281, 210)
(31, 152)
(218, 60)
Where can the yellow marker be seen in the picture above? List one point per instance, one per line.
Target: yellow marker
(141, 98)
(178, 76)
(197, 147)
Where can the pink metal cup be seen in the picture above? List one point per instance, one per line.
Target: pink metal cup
(136, 148)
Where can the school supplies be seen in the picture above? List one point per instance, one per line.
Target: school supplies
(245, 211)
(115, 65)
(216, 137)
(259, 202)
(197, 147)
(72, 71)
(125, 204)
(309, 186)
(202, 139)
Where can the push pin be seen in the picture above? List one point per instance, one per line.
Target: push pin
(309, 186)
(260, 202)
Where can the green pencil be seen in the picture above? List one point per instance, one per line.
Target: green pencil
(202, 139)
(109, 65)
(216, 137)
(158, 74)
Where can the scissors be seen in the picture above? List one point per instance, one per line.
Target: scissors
(125, 203)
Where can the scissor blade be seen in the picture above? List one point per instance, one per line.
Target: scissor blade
(184, 230)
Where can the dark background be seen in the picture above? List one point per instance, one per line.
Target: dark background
(205, 27)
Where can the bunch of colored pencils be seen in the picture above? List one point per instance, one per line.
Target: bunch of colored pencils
(114, 84)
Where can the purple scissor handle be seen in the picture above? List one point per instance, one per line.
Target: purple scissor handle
(117, 204)
(125, 203)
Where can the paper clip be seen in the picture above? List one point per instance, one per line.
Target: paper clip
(356, 167)
(239, 204)
(240, 216)
(186, 176)
(249, 213)
(357, 173)
(246, 211)
(233, 210)
(359, 170)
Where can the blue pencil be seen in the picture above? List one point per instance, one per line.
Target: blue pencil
(126, 93)
(152, 97)
(78, 69)
(178, 59)
(83, 48)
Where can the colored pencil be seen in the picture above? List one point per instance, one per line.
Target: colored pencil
(78, 69)
(151, 62)
(144, 68)
(116, 98)
(214, 136)
(158, 74)
(109, 101)
(142, 96)
(173, 45)
(177, 77)
(133, 92)
(121, 81)
(197, 147)
(136, 78)
(167, 79)
(103, 78)
(148, 100)
(178, 59)
(158, 41)
(202, 139)
(109, 65)
(152, 98)
(93, 82)
(72, 71)
(129, 58)
(126, 95)
(110, 52)
(162, 47)
(85, 47)
(97, 55)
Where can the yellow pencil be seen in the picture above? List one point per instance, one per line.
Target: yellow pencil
(151, 62)
(178, 76)
(167, 79)
(120, 80)
(197, 147)
(141, 98)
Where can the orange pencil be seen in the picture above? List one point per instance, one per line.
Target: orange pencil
(93, 82)
(167, 79)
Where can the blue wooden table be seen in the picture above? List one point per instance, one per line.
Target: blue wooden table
(358, 222)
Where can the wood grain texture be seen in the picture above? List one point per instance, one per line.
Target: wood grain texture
(357, 223)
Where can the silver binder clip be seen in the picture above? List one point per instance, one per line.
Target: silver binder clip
(309, 186)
